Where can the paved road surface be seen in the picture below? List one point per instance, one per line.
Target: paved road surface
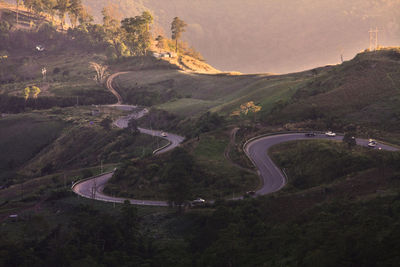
(93, 188)
(271, 176)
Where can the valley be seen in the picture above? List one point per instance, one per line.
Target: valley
(118, 156)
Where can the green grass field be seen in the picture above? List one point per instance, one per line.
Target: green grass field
(199, 93)
(187, 107)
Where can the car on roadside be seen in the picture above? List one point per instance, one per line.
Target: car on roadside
(39, 48)
(164, 134)
(330, 134)
(198, 201)
(372, 143)
(310, 134)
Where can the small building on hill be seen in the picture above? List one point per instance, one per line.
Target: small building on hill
(164, 55)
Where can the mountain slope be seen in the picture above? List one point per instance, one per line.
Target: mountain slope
(365, 89)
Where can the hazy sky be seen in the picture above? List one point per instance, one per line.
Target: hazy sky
(272, 35)
(281, 35)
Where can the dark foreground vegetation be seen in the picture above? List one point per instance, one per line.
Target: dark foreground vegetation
(247, 233)
(351, 221)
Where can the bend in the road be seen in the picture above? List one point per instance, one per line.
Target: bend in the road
(271, 176)
(93, 188)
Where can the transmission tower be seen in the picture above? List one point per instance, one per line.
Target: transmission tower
(373, 39)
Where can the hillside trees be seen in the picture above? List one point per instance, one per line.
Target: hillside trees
(160, 42)
(74, 11)
(29, 3)
(62, 9)
(113, 34)
(138, 36)
(178, 175)
(38, 6)
(49, 8)
(177, 28)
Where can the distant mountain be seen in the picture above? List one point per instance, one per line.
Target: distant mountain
(272, 36)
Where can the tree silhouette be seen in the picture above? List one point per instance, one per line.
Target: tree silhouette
(177, 28)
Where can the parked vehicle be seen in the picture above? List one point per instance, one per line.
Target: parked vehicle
(198, 201)
(372, 143)
(311, 134)
(330, 134)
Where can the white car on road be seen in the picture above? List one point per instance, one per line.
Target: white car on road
(372, 143)
(164, 134)
(198, 201)
(330, 134)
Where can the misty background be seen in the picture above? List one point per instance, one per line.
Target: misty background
(276, 36)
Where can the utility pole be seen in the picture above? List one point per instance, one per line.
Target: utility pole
(373, 39)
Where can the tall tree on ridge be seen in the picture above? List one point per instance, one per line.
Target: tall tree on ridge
(74, 10)
(138, 36)
(113, 32)
(62, 9)
(177, 28)
(49, 7)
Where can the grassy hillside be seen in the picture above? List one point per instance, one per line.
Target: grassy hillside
(181, 92)
(22, 137)
(68, 74)
(365, 88)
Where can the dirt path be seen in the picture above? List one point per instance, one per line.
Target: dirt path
(111, 88)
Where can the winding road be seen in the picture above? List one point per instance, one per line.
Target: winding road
(271, 176)
(256, 149)
(93, 187)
